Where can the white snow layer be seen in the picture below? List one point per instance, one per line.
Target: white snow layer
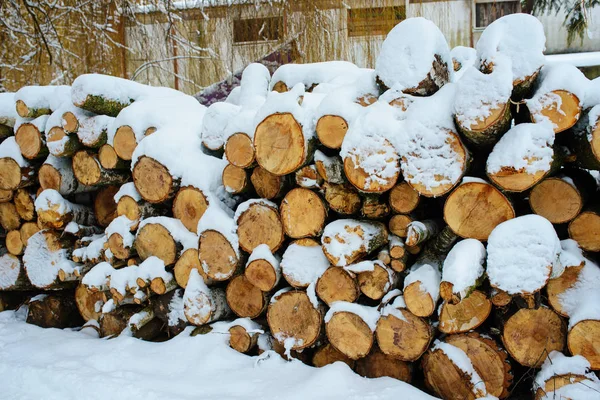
(303, 264)
(464, 265)
(522, 253)
(525, 147)
(408, 52)
(42, 96)
(466, 57)
(582, 300)
(42, 263)
(205, 367)
(559, 364)
(429, 278)
(128, 189)
(10, 268)
(8, 111)
(309, 74)
(502, 41)
(10, 149)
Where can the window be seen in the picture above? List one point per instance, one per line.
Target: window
(486, 13)
(374, 21)
(257, 29)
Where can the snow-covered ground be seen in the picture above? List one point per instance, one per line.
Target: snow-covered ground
(38, 363)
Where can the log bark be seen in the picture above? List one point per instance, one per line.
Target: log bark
(474, 209)
(260, 223)
(531, 334)
(337, 284)
(303, 214)
(267, 185)
(239, 150)
(54, 311)
(361, 237)
(487, 131)
(585, 142)
(418, 232)
(153, 181)
(62, 144)
(374, 207)
(291, 316)
(280, 144)
(88, 171)
(343, 199)
(245, 299)
(435, 79)
(235, 179)
(330, 169)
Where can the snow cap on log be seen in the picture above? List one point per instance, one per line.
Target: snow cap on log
(522, 254)
(34, 101)
(8, 112)
(346, 240)
(462, 58)
(309, 75)
(415, 58)
(44, 257)
(515, 38)
(463, 266)
(214, 125)
(303, 263)
(254, 85)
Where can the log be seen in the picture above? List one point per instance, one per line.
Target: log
(438, 176)
(403, 198)
(293, 320)
(9, 217)
(337, 284)
(105, 207)
(365, 174)
(303, 214)
(168, 309)
(109, 160)
(348, 331)
(377, 364)
(307, 177)
(514, 169)
(53, 311)
(330, 169)
(92, 131)
(14, 244)
(164, 238)
(303, 262)
(561, 107)
(401, 334)
(47, 253)
(235, 179)
(468, 314)
(327, 354)
(560, 199)
(361, 238)
(113, 322)
(331, 130)
(258, 222)
(57, 173)
(242, 340)
(31, 112)
(485, 132)
(398, 225)
(6, 195)
(30, 138)
(185, 264)
(121, 241)
(267, 185)
(144, 324)
(60, 143)
(475, 208)
(56, 212)
(245, 299)
(567, 280)
(218, 245)
(560, 373)
(124, 142)
(27, 230)
(343, 199)
(189, 205)
(418, 232)
(239, 150)
(13, 274)
(280, 144)
(585, 140)
(374, 279)
(462, 271)
(580, 341)
(15, 172)
(202, 305)
(421, 289)
(131, 205)
(263, 269)
(374, 207)
(89, 303)
(489, 368)
(88, 171)
(585, 229)
(153, 181)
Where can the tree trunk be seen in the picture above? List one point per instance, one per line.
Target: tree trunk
(398, 225)
(330, 169)
(13, 274)
(418, 232)
(31, 112)
(14, 244)
(125, 142)
(202, 305)
(188, 261)
(139, 210)
(48, 253)
(241, 340)
(378, 282)
(374, 207)
(263, 272)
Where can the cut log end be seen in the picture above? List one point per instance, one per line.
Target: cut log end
(189, 205)
(124, 142)
(582, 340)
(365, 181)
(152, 180)
(418, 301)
(585, 229)
(108, 157)
(10, 174)
(239, 150)
(292, 316)
(240, 340)
(556, 287)
(156, 240)
(86, 168)
(331, 130)
(556, 200)
(303, 213)
(267, 185)
(14, 244)
(349, 334)
(378, 364)
(260, 224)
(404, 339)
(235, 179)
(245, 299)
(30, 141)
(403, 198)
(279, 143)
(466, 315)
(336, 284)
(105, 208)
(89, 303)
(262, 274)
(562, 108)
(128, 207)
(218, 259)
(328, 354)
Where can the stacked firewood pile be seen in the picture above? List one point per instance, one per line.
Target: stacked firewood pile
(432, 220)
